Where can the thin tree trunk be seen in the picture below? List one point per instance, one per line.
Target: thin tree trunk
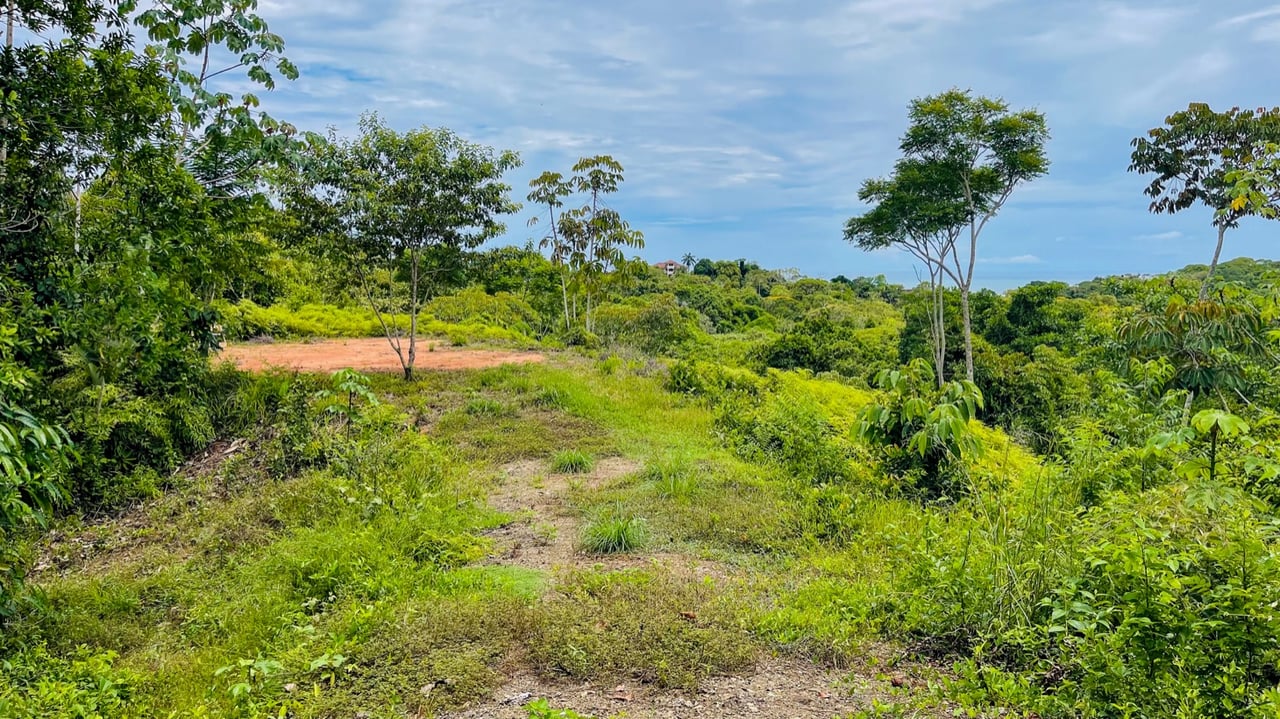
(8, 46)
(968, 332)
(1217, 253)
(939, 319)
(1186, 407)
(564, 293)
(964, 296)
(413, 314)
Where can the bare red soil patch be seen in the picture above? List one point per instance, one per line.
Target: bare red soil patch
(372, 354)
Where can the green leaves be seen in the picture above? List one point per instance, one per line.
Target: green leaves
(1193, 154)
(224, 141)
(33, 460)
(586, 241)
(931, 424)
(1224, 424)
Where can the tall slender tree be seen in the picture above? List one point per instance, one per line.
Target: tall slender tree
(587, 241)
(920, 210)
(990, 151)
(550, 190)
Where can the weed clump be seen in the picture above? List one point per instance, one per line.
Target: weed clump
(673, 478)
(572, 461)
(485, 407)
(615, 532)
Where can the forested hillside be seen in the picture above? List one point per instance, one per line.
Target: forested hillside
(572, 482)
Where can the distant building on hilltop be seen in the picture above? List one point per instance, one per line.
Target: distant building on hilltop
(671, 267)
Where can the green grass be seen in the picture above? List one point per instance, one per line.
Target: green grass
(615, 532)
(486, 407)
(673, 477)
(376, 554)
(572, 461)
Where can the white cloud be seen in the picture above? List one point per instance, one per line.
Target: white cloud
(1015, 260)
(773, 112)
(1170, 235)
(1251, 16)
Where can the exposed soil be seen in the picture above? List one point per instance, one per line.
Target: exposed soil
(366, 354)
(545, 532)
(544, 535)
(778, 688)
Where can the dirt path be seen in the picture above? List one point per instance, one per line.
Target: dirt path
(367, 354)
(777, 689)
(544, 536)
(545, 532)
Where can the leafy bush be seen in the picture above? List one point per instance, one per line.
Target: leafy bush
(1171, 612)
(84, 685)
(923, 430)
(33, 462)
(711, 381)
(790, 428)
(656, 325)
(474, 306)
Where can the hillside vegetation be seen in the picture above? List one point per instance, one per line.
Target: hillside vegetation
(726, 490)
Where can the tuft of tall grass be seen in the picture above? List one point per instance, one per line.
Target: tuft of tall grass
(673, 477)
(572, 461)
(615, 532)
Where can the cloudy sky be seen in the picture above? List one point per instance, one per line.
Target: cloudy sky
(746, 126)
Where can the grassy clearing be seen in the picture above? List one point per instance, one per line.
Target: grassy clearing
(357, 578)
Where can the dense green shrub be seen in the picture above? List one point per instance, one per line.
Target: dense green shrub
(1169, 612)
(657, 325)
(924, 431)
(84, 685)
(711, 381)
(789, 428)
(474, 306)
(849, 346)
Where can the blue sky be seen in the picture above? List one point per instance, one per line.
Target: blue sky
(746, 126)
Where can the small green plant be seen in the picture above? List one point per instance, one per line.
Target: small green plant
(485, 407)
(610, 365)
(545, 533)
(326, 667)
(673, 478)
(551, 398)
(615, 532)
(541, 709)
(923, 429)
(572, 461)
(1216, 445)
(348, 393)
(255, 677)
